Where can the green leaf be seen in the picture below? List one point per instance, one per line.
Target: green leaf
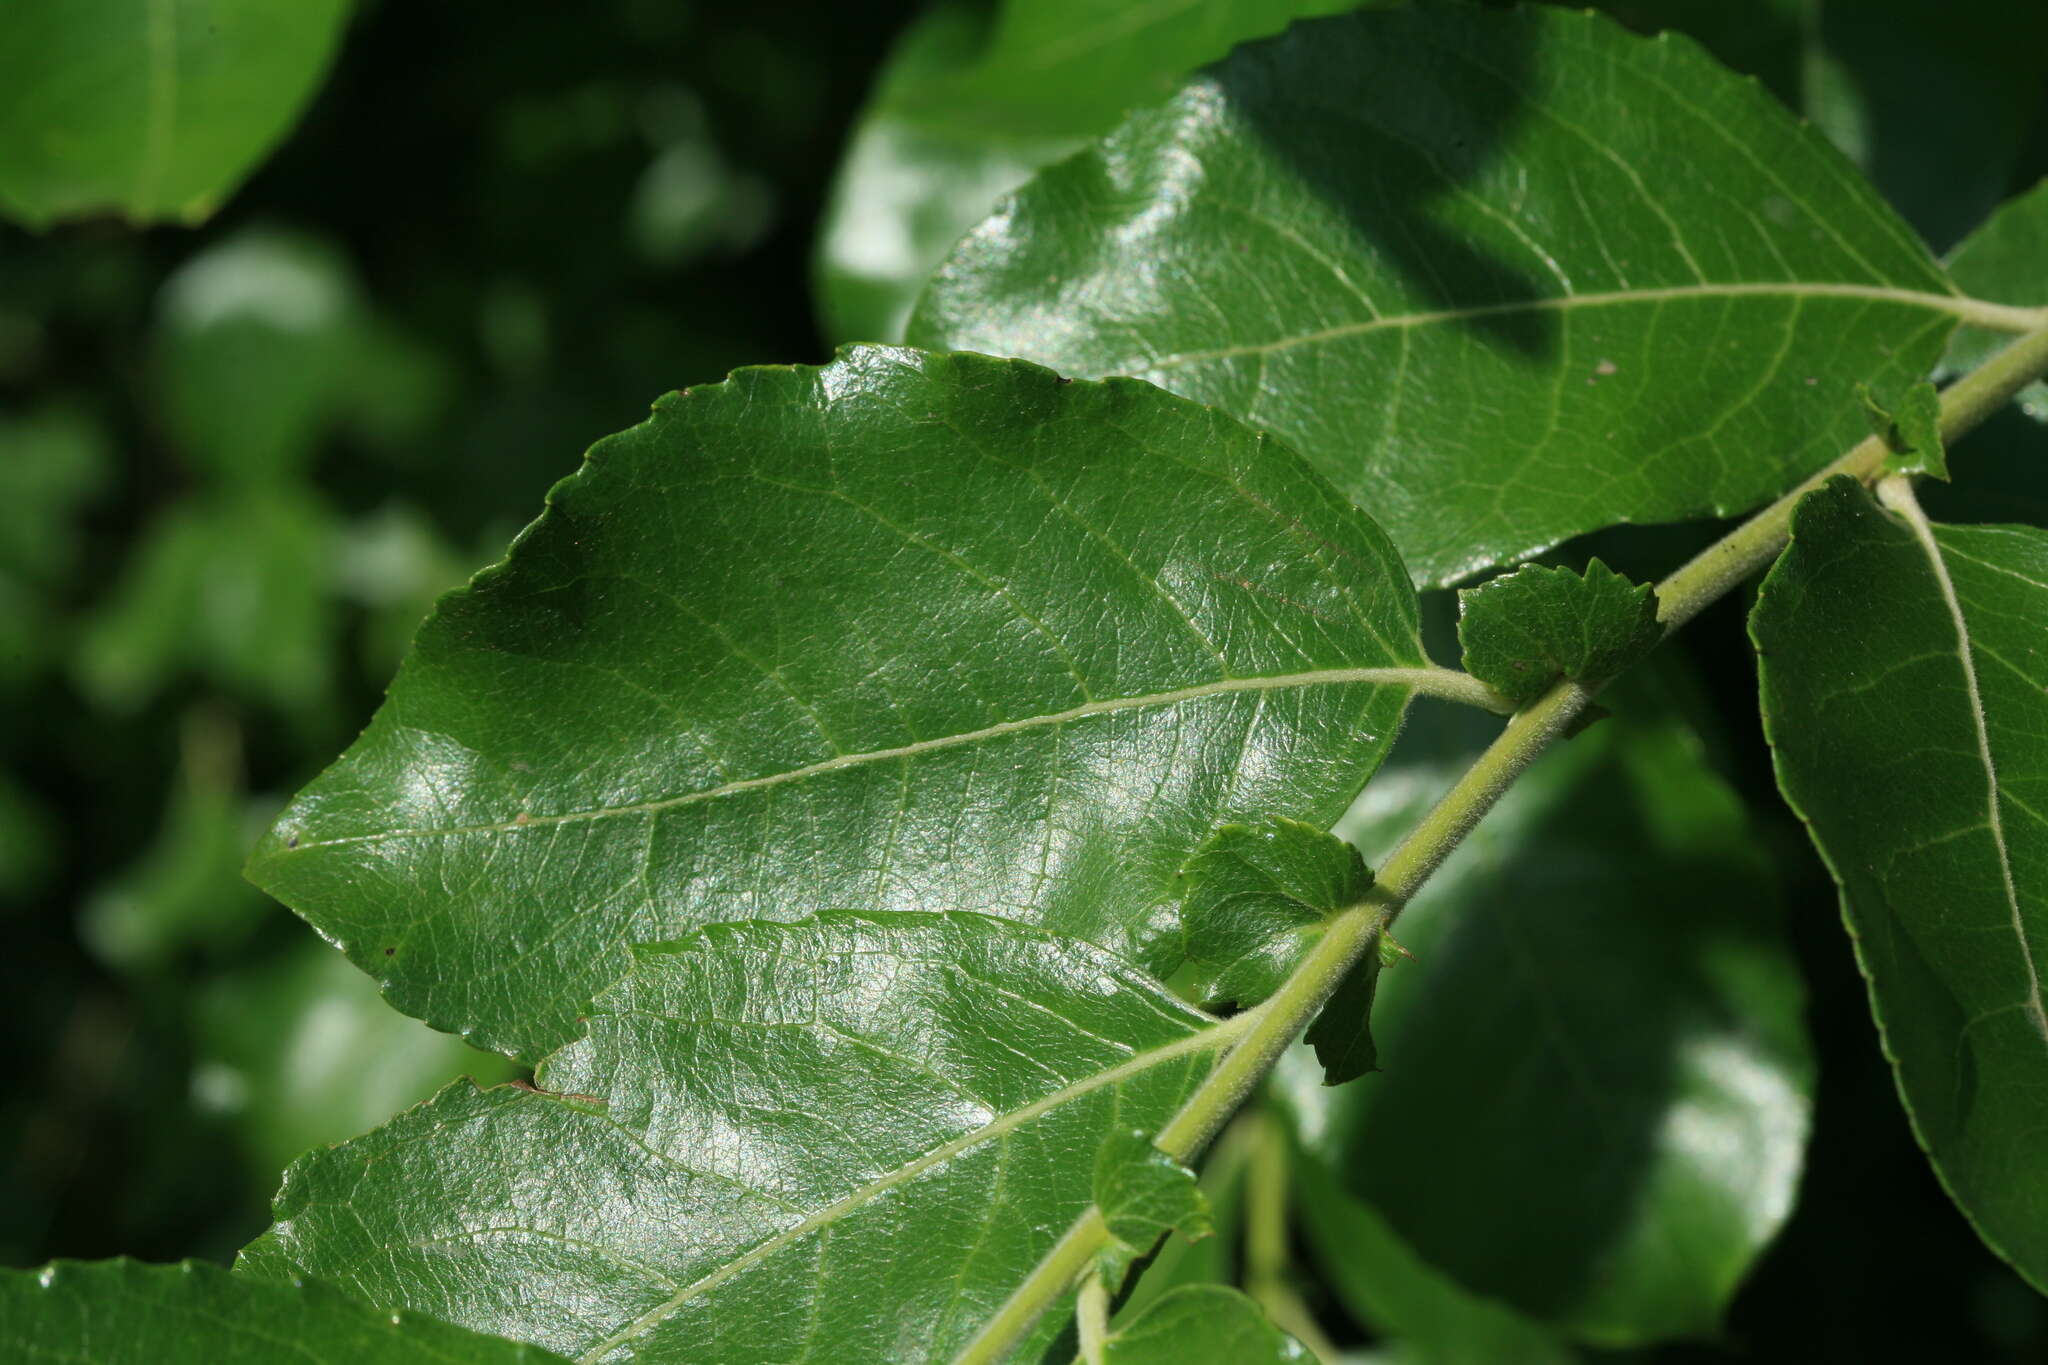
(1903, 677)
(152, 110)
(2006, 260)
(1595, 1089)
(1255, 897)
(1380, 1279)
(1342, 1033)
(972, 103)
(1525, 630)
(1504, 276)
(1212, 1260)
(905, 632)
(126, 1313)
(1144, 1194)
(1911, 426)
(1202, 1324)
(853, 1134)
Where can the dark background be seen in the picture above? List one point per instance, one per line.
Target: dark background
(548, 215)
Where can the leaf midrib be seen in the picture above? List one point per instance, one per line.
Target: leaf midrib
(1202, 1040)
(1108, 706)
(1981, 312)
(1916, 521)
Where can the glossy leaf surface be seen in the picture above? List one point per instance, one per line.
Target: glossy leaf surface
(851, 1135)
(1504, 276)
(127, 1313)
(1613, 1181)
(1206, 1324)
(906, 632)
(1524, 631)
(2005, 259)
(973, 102)
(153, 109)
(1904, 671)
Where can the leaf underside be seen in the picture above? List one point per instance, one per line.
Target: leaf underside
(1902, 679)
(907, 632)
(1504, 276)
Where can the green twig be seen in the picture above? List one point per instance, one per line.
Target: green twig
(1280, 1019)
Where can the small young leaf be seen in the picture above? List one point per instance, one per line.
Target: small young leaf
(1505, 275)
(1144, 1194)
(126, 1313)
(2005, 260)
(1255, 896)
(1903, 671)
(909, 632)
(155, 112)
(1203, 1324)
(1911, 426)
(849, 1137)
(1342, 1033)
(1524, 631)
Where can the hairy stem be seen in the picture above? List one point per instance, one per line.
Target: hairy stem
(1714, 572)
(1092, 1317)
(1965, 404)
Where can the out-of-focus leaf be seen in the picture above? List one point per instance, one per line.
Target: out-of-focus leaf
(2005, 259)
(909, 631)
(259, 342)
(186, 890)
(1934, 102)
(153, 109)
(1506, 276)
(850, 1136)
(1525, 630)
(1202, 1324)
(973, 102)
(1432, 1318)
(232, 589)
(301, 1052)
(395, 563)
(1613, 1180)
(1904, 668)
(27, 842)
(127, 1313)
(52, 460)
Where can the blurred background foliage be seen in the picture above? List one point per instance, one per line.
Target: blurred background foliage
(240, 457)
